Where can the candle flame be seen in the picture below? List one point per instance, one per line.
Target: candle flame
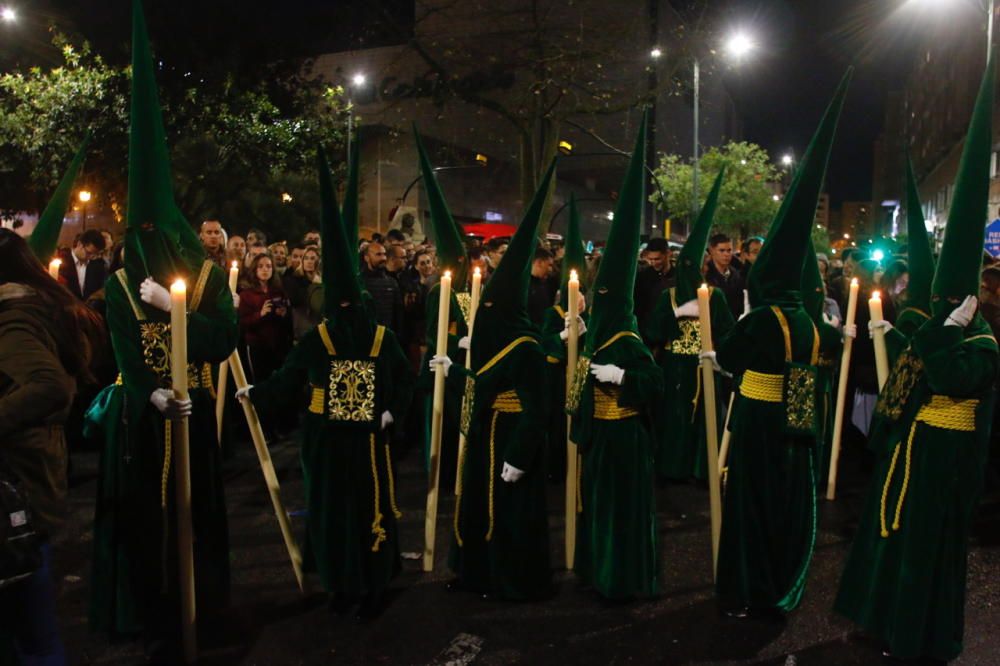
(179, 286)
(704, 286)
(235, 264)
(56, 262)
(476, 271)
(447, 274)
(876, 296)
(854, 282)
(573, 275)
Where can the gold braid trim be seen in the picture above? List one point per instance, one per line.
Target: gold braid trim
(377, 528)
(317, 400)
(616, 337)
(697, 392)
(606, 407)
(560, 311)
(392, 484)
(324, 335)
(503, 352)
(761, 386)
(493, 466)
(199, 285)
(941, 412)
(136, 308)
(507, 403)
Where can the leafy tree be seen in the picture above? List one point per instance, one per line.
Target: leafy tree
(746, 203)
(821, 239)
(236, 148)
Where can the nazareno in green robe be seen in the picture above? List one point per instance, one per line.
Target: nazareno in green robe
(454, 385)
(904, 580)
(351, 530)
(681, 450)
(501, 536)
(616, 540)
(769, 510)
(134, 587)
(555, 354)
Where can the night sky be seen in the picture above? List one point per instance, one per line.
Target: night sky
(804, 48)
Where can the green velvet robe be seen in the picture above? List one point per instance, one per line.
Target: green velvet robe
(769, 510)
(908, 588)
(681, 450)
(501, 529)
(351, 531)
(134, 585)
(616, 541)
(555, 355)
(454, 385)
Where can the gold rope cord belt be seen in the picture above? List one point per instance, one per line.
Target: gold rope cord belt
(941, 412)
(377, 529)
(506, 402)
(606, 407)
(762, 386)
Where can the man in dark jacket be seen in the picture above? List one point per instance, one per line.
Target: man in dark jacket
(722, 274)
(383, 287)
(82, 270)
(652, 280)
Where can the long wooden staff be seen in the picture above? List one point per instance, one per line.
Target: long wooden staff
(220, 399)
(572, 473)
(182, 470)
(267, 467)
(477, 283)
(711, 424)
(726, 435)
(838, 417)
(437, 422)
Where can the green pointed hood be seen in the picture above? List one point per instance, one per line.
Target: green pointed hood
(159, 242)
(340, 275)
(813, 289)
(350, 212)
(776, 276)
(45, 237)
(447, 236)
(503, 310)
(612, 308)
(960, 263)
(920, 259)
(574, 256)
(692, 255)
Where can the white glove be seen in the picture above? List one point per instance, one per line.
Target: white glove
(689, 309)
(832, 321)
(169, 406)
(610, 374)
(876, 325)
(712, 357)
(464, 341)
(963, 314)
(746, 303)
(581, 328)
(511, 474)
(851, 331)
(387, 419)
(442, 361)
(244, 393)
(155, 294)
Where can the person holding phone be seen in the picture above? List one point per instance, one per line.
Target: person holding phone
(265, 320)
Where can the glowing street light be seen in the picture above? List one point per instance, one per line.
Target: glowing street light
(8, 14)
(655, 53)
(84, 196)
(359, 80)
(739, 45)
(787, 160)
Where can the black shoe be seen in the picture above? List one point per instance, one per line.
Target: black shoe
(371, 607)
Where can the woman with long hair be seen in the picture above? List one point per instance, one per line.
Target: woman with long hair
(48, 341)
(296, 283)
(265, 318)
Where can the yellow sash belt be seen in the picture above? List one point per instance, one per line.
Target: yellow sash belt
(761, 386)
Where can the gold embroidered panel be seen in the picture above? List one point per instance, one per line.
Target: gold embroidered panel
(470, 392)
(896, 392)
(689, 343)
(155, 340)
(352, 391)
(464, 303)
(800, 398)
(575, 390)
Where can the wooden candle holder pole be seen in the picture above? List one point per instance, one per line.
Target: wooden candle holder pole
(437, 422)
(838, 417)
(711, 423)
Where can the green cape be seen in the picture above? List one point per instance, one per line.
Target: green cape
(447, 236)
(574, 257)
(45, 237)
(692, 255)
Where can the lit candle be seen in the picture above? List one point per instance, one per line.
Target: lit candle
(878, 338)
(443, 315)
(234, 274)
(711, 424)
(54, 268)
(437, 416)
(572, 354)
(477, 286)
(178, 337)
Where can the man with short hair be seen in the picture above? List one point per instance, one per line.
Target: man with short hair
(652, 280)
(311, 237)
(494, 252)
(253, 249)
(723, 275)
(395, 260)
(256, 236)
(383, 287)
(236, 249)
(295, 257)
(748, 253)
(541, 295)
(82, 270)
(279, 255)
(394, 237)
(211, 236)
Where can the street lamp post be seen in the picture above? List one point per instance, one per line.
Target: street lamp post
(357, 81)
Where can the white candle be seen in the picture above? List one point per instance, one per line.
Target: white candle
(54, 268)
(477, 285)
(705, 317)
(178, 337)
(878, 337)
(443, 312)
(234, 275)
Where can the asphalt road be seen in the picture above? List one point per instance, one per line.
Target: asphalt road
(271, 623)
